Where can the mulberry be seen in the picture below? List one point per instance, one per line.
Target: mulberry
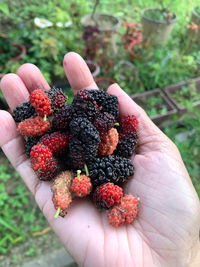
(111, 105)
(127, 145)
(112, 169)
(107, 195)
(33, 127)
(62, 118)
(40, 101)
(125, 212)
(57, 98)
(24, 111)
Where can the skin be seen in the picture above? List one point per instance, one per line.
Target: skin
(166, 231)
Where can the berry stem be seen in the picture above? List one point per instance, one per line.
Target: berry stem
(78, 174)
(45, 117)
(116, 124)
(57, 213)
(86, 170)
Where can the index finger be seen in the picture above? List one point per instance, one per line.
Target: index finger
(78, 73)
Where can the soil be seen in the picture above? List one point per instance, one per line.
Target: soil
(31, 249)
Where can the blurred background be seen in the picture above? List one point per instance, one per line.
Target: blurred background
(151, 48)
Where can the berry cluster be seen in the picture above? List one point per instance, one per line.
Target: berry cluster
(84, 148)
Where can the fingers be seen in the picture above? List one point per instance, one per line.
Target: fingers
(149, 134)
(13, 146)
(32, 77)
(78, 73)
(14, 90)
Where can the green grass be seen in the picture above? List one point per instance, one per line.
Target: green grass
(19, 215)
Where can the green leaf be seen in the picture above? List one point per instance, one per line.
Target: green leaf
(10, 227)
(4, 8)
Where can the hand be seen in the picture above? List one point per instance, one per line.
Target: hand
(166, 232)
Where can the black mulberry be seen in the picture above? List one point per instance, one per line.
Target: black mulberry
(62, 118)
(111, 105)
(23, 112)
(84, 141)
(112, 169)
(127, 145)
(104, 122)
(83, 108)
(57, 98)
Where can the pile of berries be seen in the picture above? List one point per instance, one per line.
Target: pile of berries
(83, 148)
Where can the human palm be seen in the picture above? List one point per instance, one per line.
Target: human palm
(166, 230)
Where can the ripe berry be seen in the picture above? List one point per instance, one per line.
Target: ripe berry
(111, 168)
(40, 101)
(22, 112)
(107, 195)
(62, 118)
(83, 108)
(33, 127)
(43, 162)
(81, 185)
(57, 98)
(104, 122)
(56, 142)
(127, 145)
(111, 105)
(40, 156)
(128, 125)
(84, 141)
(84, 94)
(125, 212)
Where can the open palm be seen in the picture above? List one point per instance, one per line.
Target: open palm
(167, 228)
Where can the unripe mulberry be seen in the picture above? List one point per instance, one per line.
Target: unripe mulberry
(61, 195)
(40, 101)
(33, 127)
(125, 212)
(109, 142)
